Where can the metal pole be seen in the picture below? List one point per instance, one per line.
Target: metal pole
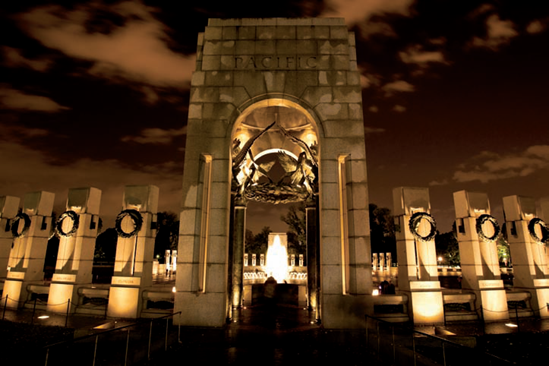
(516, 315)
(95, 349)
(33, 311)
(414, 347)
(394, 344)
(5, 306)
(443, 353)
(127, 347)
(47, 354)
(166, 339)
(150, 336)
(378, 340)
(367, 333)
(179, 330)
(68, 309)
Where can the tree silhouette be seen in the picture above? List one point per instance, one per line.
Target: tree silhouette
(382, 231)
(167, 235)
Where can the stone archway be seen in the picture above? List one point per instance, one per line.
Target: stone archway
(274, 127)
(246, 70)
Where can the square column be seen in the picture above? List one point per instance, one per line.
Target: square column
(478, 253)
(134, 251)
(8, 210)
(26, 263)
(77, 229)
(416, 239)
(527, 251)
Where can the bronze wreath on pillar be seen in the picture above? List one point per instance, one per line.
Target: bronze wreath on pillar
(137, 223)
(75, 223)
(480, 221)
(15, 225)
(414, 224)
(544, 231)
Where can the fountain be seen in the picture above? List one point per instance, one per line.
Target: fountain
(277, 257)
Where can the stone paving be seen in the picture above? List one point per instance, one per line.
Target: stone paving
(284, 335)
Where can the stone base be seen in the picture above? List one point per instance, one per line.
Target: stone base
(60, 294)
(346, 311)
(494, 300)
(124, 299)
(17, 295)
(200, 309)
(426, 302)
(542, 295)
(124, 302)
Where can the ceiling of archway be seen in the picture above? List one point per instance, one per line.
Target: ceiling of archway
(293, 120)
(287, 134)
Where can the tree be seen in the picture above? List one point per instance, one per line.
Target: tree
(447, 247)
(382, 231)
(257, 243)
(504, 252)
(105, 246)
(297, 228)
(167, 234)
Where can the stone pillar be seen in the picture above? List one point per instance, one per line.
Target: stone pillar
(544, 215)
(418, 278)
(8, 209)
(478, 253)
(134, 251)
(239, 236)
(306, 67)
(77, 230)
(527, 251)
(31, 228)
(312, 259)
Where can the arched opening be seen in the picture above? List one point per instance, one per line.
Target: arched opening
(274, 168)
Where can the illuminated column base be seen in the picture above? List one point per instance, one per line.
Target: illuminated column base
(62, 290)
(540, 298)
(124, 299)
(200, 309)
(494, 300)
(346, 312)
(13, 289)
(426, 302)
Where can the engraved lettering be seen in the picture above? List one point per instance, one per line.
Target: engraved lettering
(276, 62)
(238, 62)
(251, 62)
(266, 62)
(290, 62)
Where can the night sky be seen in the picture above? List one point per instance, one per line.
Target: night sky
(454, 93)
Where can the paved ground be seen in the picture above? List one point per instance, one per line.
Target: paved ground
(284, 336)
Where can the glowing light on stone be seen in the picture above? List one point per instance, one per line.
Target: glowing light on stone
(277, 260)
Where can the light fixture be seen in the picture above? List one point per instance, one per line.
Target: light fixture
(511, 325)
(43, 317)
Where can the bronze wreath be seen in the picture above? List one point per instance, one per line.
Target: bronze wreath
(276, 194)
(544, 231)
(480, 221)
(414, 223)
(75, 223)
(137, 223)
(15, 225)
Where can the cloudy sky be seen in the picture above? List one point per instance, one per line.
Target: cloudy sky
(95, 93)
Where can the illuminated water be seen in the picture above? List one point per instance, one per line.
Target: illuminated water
(277, 261)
